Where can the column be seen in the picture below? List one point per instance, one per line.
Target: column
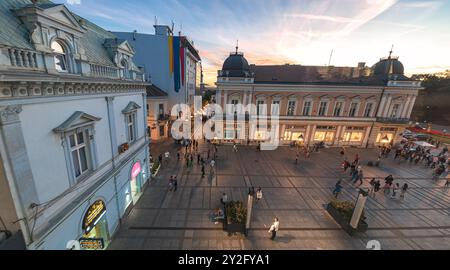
(337, 138)
(387, 107)
(17, 166)
(406, 106)
(381, 107)
(366, 136)
(411, 107)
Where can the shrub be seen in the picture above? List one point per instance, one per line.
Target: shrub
(346, 208)
(155, 167)
(236, 212)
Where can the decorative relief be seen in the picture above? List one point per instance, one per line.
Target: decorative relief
(10, 113)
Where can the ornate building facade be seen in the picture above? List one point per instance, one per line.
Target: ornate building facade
(73, 129)
(340, 106)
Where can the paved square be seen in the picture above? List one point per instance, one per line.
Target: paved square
(297, 194)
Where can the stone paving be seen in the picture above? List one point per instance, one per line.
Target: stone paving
(297, 194)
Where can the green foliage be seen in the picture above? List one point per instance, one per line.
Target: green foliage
(346, 208)
(236, 212)
(155, 167)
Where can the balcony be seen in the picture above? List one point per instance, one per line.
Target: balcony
(163, 117)
(392, 120)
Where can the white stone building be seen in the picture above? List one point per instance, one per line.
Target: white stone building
(73, 140)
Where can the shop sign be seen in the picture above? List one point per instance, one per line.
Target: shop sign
(92, 243)
(94, 213)
(136, 170)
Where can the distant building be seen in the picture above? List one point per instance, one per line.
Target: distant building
(340, 106)
(170, 62)
(157, 117)
(73, 141)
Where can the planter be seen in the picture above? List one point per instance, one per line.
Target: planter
(233, 224)
(345, 222)
(235, 228)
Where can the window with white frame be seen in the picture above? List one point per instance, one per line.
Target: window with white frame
(291, 107)
(307, 105)
(368, 110)
(78, 142)
(60, 56)
(131, 126)
(353, 109)
(338, 108)
(395, 110)
(323, 106)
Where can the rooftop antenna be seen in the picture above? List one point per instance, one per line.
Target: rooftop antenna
(237, 46)
(156, 20)
(331, 56)
(181, 29)
(392, 49)
(173, 24)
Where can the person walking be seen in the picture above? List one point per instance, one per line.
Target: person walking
(198, 158)
(395, 187)
(377, 187)
(171, 183)
(259, 194)
(224, 199)
(235, 148)
(178, 156)
(274, 228)
(372, 187)
(447, 183)
(403, 191)
(167, 155)
(359, 177)
(296, 158)
(203, 170)
(337, 189)
(160, 157)
(175, 184)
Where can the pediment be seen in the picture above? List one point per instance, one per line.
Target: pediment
(131, 107)
(122, 45)
(62, 14)
(76, 120)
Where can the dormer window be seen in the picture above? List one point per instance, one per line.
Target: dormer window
(60, 56)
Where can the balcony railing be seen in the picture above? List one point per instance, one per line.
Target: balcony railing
(22, 58)
(392, 120)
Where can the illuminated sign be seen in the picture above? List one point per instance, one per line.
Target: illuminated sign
(92, 243)
(136, 170)
(93, 215)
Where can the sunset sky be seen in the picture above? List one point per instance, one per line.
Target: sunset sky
(296, 32)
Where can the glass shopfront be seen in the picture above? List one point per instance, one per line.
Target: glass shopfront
(353, 135)
(325, 134)
(294, 133)
(136, 181)
(95, 227)
(386, 136)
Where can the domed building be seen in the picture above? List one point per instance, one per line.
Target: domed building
(354, 106)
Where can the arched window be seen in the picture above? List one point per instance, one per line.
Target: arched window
(126, 72)
(60, 57)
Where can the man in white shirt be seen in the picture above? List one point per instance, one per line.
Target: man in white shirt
(274, 228)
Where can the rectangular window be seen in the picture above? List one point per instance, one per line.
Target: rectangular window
(323, 108)
(148, 109)
(161, 131)
(131, 127)
(338, 108)
(353, 109)
(277, 110)
(291, 107)
(78, 149)
(307, 108)
(161, 109)
(368, 110)
(395, 110)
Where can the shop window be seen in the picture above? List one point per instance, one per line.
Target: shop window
(385, 138)
(353, 136)
(325, 136)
